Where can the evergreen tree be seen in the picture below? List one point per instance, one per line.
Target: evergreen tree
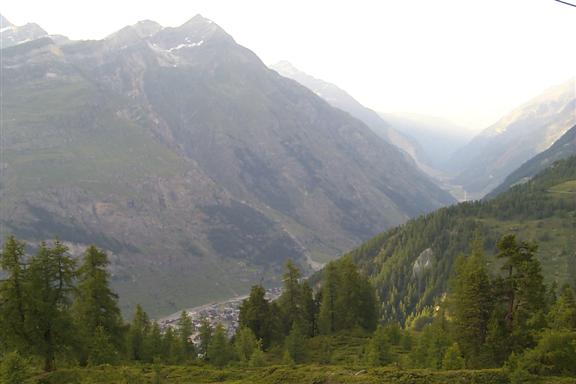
(256, 314)
(453, 358)
(328, 307)
(185, 329)
(96, 306)
(13, 296)
(219, 351)
(101, 350)
(522, 290)
(245, 344)
(377, 351)
(290, 302)
(153, 344)
(563, 313)
(50, 286)
(295, 344)
(139, 330)
(205, 338)
(257, 358)
(472, 305)
(309, 310)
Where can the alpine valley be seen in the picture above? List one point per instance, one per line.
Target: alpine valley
(197, 168)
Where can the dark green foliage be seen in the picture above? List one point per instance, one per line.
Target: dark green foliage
(562, 315)
(295, 344)
(206, 332)
(185, 330)
(453, 358)
(258, 314)
(14, 309)
(96, 306)
(472, 303)
(348, 299)
(555, 354)
(521, 291)
(49, 286)
(390, 258)
(220, 351)
(431, 344)
(137, 335)
(245, 344)
(101, 350)
(377, 351)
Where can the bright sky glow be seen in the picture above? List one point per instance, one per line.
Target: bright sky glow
(470, 61)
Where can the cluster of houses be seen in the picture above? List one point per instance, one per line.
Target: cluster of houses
(226, 313)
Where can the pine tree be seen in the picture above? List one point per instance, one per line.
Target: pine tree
(309, 310)
(377, 351)
(96, 306)
(290, 301)
(13, 295)
(101, 349)
(256, 314)
(185, 329)
(472, 305)
(328, 307)
(245, 344)
(295, 344)
(137, 335)
(219, 351)
(522, 290)
(152, 349)
(205, 338)
(562, 315)
(257, 358)
(50, 286)
(453, 358)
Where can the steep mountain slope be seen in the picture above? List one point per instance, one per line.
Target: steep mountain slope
(410, 265)
(199, 168)
(501, 148)
(11, 34)
(340, 99)
(564, 147)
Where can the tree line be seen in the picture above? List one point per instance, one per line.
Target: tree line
(52, 309)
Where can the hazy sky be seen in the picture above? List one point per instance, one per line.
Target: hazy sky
(467, 60)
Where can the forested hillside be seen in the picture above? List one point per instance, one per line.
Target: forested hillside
(564, 147)
(410, 265)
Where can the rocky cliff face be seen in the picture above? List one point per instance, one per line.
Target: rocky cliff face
(199, 168)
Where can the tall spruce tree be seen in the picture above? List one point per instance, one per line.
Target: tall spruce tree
(13, 296)
(185, 329)
(521, 289)
(219, 350)
(96, 306)
(139, 330)
(50, 286)
(290, 302)
(327, 318)
(472, 305)
(256, 314)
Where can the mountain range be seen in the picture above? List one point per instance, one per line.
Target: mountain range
(195, 166)
(484, 163)
(564, 147)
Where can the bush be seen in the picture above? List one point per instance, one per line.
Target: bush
(14, 369)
